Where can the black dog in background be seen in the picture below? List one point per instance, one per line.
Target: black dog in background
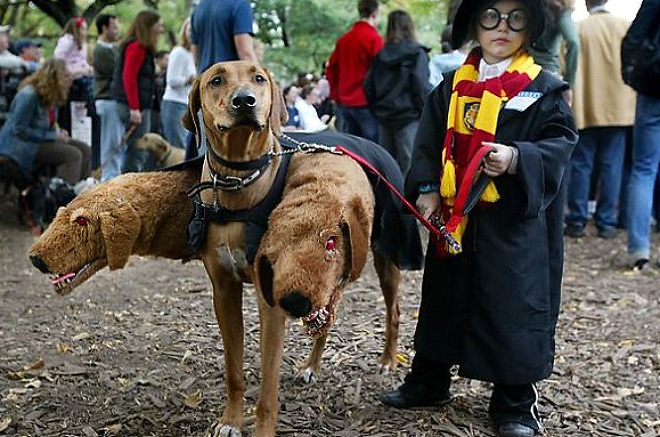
(39, 201)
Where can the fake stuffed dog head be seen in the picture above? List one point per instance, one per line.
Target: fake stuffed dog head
(235, 98)
(136, 213)
(317, 242)
(90, 233)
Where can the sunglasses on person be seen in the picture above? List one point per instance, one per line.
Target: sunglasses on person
(516, 19)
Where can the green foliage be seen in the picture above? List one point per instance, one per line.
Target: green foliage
(298, 35)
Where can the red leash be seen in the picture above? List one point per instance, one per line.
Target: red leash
(434, 225)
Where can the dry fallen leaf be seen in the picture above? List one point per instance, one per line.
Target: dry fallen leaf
(63, 348)
(193, 400)
(401, 358)
(36, 365)
(112, 430)
(4, 423)
(33, 383)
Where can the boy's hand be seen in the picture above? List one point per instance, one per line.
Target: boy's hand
(497, 161)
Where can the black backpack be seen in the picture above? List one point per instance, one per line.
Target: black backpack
(640, 62)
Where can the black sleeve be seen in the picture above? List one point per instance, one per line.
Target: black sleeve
(427, 149)
(541, 161)
(421, 86)
(368, 85)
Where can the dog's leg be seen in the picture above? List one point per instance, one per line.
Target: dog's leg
(228, 306)
(312, 364)
(389, 277)
(273, 325)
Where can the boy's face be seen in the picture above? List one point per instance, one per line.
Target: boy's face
(508, 35)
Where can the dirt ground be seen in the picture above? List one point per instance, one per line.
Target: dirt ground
(137, 353)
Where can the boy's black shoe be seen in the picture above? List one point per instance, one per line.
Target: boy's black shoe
(515, 429)
(407, 396)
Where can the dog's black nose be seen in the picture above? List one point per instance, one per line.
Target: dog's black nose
(244, 100)
(296, 304)
(39, 263)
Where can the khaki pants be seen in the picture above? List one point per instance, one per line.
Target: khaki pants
(70, 157)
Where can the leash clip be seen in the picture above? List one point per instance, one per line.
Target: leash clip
(436, 221)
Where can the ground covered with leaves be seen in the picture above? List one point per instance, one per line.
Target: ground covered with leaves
(137, 352)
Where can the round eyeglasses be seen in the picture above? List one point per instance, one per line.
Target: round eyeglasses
(491, 18)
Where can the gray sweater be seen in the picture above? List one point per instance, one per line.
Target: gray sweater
(104, 59)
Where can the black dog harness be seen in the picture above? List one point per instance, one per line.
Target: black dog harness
(255, 218)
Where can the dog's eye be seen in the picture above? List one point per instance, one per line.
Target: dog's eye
(331, 244)
(259, 78)
(216, 81)
(82, 221)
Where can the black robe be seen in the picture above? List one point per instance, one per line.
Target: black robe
(394, 234)
(493, 308)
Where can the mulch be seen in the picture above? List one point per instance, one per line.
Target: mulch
(137, 353)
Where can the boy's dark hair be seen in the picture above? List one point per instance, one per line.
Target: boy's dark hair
(367, 7)
(102, 21)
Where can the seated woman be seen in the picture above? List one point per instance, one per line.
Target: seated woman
(30, 135)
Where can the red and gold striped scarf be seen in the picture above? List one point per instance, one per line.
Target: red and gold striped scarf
(474, 109)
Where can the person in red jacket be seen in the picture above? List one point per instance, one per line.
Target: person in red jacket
(134, 83)
(347, 68)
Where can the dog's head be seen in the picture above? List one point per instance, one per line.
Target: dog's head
(154, 144)
(92, 232)
(305, 260)
(235, 98)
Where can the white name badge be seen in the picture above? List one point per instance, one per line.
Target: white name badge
(523, 100)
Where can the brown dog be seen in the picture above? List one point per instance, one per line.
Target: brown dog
(164, 153)
(133, 214)
(327, 210)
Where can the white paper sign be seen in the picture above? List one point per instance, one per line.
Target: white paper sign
(81, 124)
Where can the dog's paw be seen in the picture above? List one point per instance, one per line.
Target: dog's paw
(305, 375)
(221, 430)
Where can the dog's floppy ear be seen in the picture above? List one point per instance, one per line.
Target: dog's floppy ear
(263, 274)
(120, 229)
(278, 115)
(190, 120)
(355, 230)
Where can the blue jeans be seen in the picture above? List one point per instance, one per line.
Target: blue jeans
(173, 130)
(135, 159)
(398, 140)
(111, 131)
(609, 145)
(645, 161)
(358, 120)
